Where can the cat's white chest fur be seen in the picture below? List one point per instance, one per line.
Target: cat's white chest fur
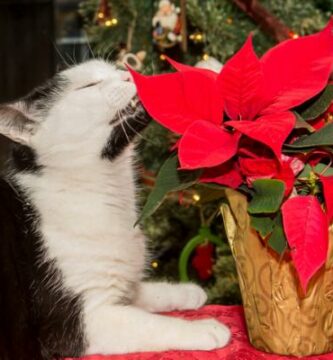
(87, 221)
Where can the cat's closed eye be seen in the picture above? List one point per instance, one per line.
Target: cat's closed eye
(89, 85)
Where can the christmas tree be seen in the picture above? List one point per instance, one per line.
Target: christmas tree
(202, 32)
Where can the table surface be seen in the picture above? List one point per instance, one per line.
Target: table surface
(238, 349)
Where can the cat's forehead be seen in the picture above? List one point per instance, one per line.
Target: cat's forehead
(93, 70)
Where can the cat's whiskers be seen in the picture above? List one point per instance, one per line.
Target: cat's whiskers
(123, 127)
(89, 46)
(60, 54)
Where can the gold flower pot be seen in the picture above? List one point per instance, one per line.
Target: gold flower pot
(279, 318)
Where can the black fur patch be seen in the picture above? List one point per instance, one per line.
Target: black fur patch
(24, 158)
(40, 320)
(123, 133)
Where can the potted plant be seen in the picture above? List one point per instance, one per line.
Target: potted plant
(260, 134)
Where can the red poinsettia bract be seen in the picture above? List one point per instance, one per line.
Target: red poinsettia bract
(256, 94)
(306, 228)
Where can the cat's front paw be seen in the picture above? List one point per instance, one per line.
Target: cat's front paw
(190, 296)
(164, 297)
(209, 334)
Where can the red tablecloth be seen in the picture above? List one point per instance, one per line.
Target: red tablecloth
(238, 349)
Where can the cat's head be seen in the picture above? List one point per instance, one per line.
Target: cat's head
(86, 112)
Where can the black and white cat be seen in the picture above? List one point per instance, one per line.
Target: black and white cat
(71, 263)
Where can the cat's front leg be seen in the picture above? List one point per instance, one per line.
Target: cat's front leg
(125, 329)
(163, 296)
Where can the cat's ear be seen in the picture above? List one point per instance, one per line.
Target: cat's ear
(15, 123)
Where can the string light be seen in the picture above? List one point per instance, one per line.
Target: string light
(197, 37)
(104, 14)
(196, 197)
(111, 22)
(293, 35)
(162, 57)
(205, 57)
(154, 264)
(229, 20)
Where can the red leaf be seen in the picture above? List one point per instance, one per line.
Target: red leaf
(163, 97)
(201, 96)
(286, 174)
(327, 182)
(182, 68)
(306, 229)
(206, 145)
(240, 81)
(179, 99)
(207, 88)
(226, 174)
(297, 69)
(258, 168)
(271, 130)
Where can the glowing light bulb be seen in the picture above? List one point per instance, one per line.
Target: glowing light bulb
(196, 197)
(154, 264)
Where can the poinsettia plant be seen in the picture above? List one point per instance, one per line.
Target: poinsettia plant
(262, 126)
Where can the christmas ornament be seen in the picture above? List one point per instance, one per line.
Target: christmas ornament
(210, 63)
(202, 265)
(166, 25)
(203, 260)
(135, 61)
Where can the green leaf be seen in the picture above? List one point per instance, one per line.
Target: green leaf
(168, 179)
(320, 105)
(267, 197)
(263, 224)
(322, 137)
(277, 241)
(302, 124)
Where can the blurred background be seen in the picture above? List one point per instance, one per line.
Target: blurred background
(40, 37)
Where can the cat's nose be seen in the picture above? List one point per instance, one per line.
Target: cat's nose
(126, 76)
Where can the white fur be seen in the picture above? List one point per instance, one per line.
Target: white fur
(87, 207)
